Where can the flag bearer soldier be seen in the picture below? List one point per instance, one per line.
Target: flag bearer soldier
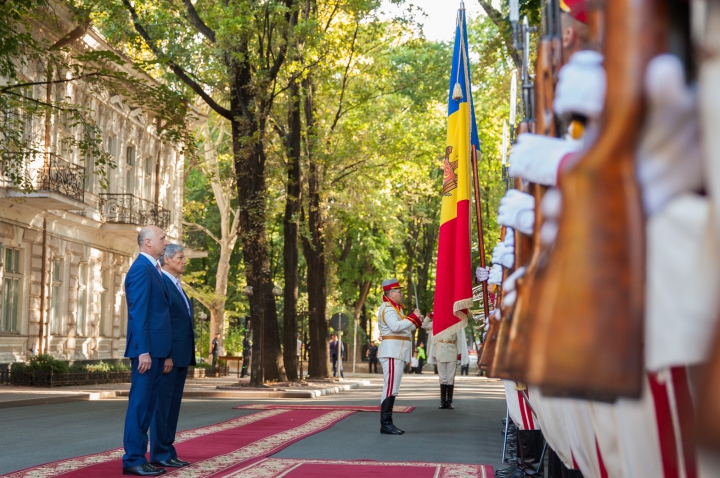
(396, 330)
(446, 353)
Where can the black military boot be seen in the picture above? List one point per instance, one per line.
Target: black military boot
(568, 473)
(392, 404)
(448, 403)
(510, 452)
(386, 423)
(530, 447)
(555, 465)
(443, 396)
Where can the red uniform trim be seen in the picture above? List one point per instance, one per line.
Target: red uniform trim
(391, 377)
(666, 431)
(601, 462)
(686, 414)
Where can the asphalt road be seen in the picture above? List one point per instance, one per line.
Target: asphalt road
(469, 434)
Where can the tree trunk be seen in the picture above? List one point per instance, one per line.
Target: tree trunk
(314, 252)
(250, 172)
(217, 308)
(228, 232)
(359, 312)
(290, 234)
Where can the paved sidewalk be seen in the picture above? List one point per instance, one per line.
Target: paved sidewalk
(218, 387)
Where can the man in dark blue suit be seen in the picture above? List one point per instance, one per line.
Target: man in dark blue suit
(149, 339)
(182, 355)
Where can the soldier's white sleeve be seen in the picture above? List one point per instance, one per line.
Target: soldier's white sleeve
(395, 323)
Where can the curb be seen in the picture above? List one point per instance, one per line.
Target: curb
(77, 397)
(220, 392)
(233, 392)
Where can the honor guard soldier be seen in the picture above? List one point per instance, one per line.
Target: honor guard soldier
(396, 331)
(445, 354)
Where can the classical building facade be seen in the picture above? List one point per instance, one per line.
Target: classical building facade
(65, 248)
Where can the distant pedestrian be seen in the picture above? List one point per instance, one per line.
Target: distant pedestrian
(334, 355)
(421, 357)
(215, 349)
(247, 352)
(372, 357)
(414, 362)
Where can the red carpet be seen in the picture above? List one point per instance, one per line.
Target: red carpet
(214, 451)
(356, 408)
(297, 468)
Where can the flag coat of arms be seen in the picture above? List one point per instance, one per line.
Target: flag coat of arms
(453, 281)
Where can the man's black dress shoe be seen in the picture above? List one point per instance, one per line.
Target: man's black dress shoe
(146, 469)
(171, 463)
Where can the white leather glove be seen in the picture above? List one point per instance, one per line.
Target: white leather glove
(581, 86)
(495, 274)
(481, 274)
(537, 158)
(509, 287)
(550, 205)
(509, 237)
(427, 323)
(517, 211)
(669, 157)
(507, 255)
(507, 259)
(498, 252)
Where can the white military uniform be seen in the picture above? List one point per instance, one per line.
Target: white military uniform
(444, 354)
(395, 348)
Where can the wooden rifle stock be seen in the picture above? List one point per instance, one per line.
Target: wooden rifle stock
(523, 250)
(589, 326)
(488, 351)
(511, 356)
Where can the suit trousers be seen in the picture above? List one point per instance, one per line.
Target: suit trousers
(372, 364)
(141, 406)
(392, 374)
(446, 370)
(167, 411)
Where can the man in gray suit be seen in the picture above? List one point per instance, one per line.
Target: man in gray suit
(182, 355)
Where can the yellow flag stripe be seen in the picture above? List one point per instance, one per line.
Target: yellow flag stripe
(458, 138)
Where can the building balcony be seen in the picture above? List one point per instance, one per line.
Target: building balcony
(132, 210)
(58, 184)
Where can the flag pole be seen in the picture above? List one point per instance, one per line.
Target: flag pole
(474, 160)
(478, 223)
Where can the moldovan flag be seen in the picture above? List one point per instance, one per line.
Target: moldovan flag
(453, 281)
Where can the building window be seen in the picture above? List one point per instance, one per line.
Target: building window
(55, 317)
(105, 308)
(148, 179)
(89, 174)
(110, 145)
(130, 170)
(81, 315)
(123, 308)
(11, 290)
(110, 148)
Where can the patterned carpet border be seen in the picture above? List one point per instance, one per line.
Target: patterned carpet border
(278, 467)
(258, 449)
(356, 408)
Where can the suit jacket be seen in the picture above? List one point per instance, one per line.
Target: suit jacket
(183, 329)
(149, 328)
